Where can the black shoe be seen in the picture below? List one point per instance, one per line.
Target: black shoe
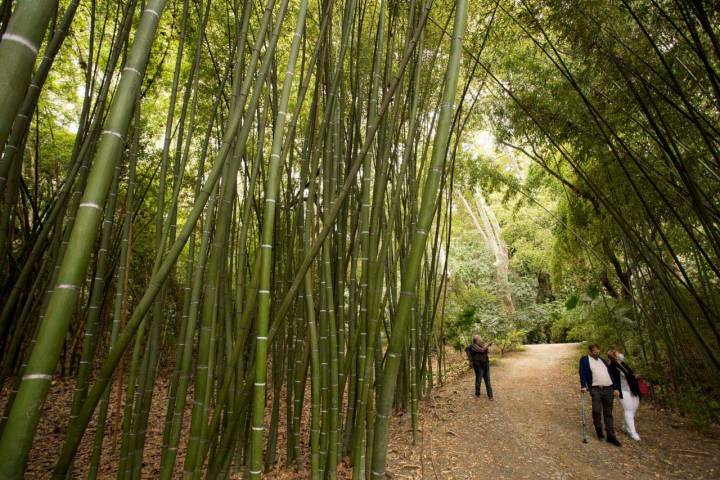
(599, 433)
(612, 439)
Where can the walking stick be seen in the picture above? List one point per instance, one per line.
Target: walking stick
(582, 416)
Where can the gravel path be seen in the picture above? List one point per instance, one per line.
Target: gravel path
(532, 430)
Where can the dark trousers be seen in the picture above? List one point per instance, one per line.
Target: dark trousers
(602, 406)
(482, 372)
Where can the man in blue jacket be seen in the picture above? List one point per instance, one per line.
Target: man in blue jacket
(596, 379)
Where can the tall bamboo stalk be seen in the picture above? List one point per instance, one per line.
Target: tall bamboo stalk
(25, 413)
(271, 197)
(18, 49)
(411, 269)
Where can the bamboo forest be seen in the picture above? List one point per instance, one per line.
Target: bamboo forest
(253, 238)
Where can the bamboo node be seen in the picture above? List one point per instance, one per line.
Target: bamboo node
(37, 376)
(113, 133)
(153, 12)
(91, 205)
(133, 70)
(13, 37)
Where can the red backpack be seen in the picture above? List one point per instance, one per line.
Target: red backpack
(643, 386)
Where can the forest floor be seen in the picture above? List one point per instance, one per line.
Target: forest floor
(532, 430)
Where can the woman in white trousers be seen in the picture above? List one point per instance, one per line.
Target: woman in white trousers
(629, 391)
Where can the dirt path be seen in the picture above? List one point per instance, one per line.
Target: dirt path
(532, 430)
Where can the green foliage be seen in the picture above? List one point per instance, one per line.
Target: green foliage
(591, 130)
(475, 303)
(593, 317)
(610, 110)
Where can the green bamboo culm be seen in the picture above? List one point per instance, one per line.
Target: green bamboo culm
(413, 264)
(22, 421)
(77, 427)
(18, 51)
(29, 102)
(271, 194)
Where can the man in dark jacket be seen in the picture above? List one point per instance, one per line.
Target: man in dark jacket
(477, 354)
(596, 378)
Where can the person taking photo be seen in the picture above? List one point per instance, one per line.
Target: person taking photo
(477, 354)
